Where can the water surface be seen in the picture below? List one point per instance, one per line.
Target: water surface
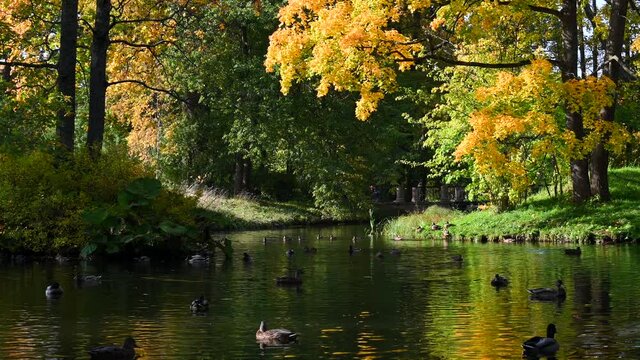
(418, 305)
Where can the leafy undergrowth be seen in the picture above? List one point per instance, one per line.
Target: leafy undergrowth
(540, 219)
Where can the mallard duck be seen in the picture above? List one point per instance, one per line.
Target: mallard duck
(394, 252)
(397, 238)
(447, 225)
(380, 255)
(112, 352)
(542, 346)
(198, 260)
(296, 279)
(200, 304)
(575, 251)
(457, 258)
(353, 250)
(446, 235)
(142, 259)
(311, 250)
(275, 336)
(246, 258)
(559, 293)
(499, 281)
(289, 252)
(435, 226)
(87, 280)
(53, 290)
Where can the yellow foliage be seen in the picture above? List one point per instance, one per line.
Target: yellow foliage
(348, 45)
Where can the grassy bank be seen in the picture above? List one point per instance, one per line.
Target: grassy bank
(540, 219)
(245, 212)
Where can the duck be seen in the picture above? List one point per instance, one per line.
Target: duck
(289, 252)
(542, 346)
(575, 251)
(142, 259)
(246, 258)
(112, 352)
(446, 235)
(380, 255)
(311, 250)
(559, 293)
(447, 225)
(394, 252)
(499, 281)
(419, 229)
(198, 259)
(290, 280)
(200, 304)
(53, 290)
(457, 258)
(353, 250)
(89, 280)
(397, 238)
(435, 226)
(275, 336)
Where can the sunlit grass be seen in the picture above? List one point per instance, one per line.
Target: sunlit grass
(542, 218)
(247, 212)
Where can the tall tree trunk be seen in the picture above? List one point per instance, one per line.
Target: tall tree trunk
(583, 57)
(98, 73)
(613, 57)
(237, 176)
(569, 68)
(67, 73)
(595, 43)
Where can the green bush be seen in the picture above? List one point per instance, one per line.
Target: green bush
(44, 200)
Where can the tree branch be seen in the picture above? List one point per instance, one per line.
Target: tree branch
(29, 65)
(540, 9)
(136, 45)
(173, 94)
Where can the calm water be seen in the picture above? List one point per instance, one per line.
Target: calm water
(419, 305)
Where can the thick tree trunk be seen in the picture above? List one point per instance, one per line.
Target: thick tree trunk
(613, 56)
(569, 68)
(67, 73)
(98, 73)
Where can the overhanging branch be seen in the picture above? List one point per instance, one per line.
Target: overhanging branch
(173, 94)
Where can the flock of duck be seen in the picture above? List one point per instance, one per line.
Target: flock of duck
(534, 347)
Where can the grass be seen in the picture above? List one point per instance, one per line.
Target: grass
(246, 212)
(541, 219)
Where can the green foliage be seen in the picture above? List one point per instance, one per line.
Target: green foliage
(138, 219)
(44, 202)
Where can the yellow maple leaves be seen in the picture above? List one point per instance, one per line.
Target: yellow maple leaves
(521, 123)
(346, 45)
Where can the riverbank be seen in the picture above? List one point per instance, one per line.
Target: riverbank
(541, 218)
(248, 213)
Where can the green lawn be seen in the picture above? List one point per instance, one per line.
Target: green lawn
(541, 218)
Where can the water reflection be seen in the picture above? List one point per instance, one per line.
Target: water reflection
(421, 304)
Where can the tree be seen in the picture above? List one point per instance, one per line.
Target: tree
(67, 72)
(311, 44)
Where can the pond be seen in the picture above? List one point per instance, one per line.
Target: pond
(416, 305)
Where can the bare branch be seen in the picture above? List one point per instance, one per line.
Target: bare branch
(171, 93)
(29, 65)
